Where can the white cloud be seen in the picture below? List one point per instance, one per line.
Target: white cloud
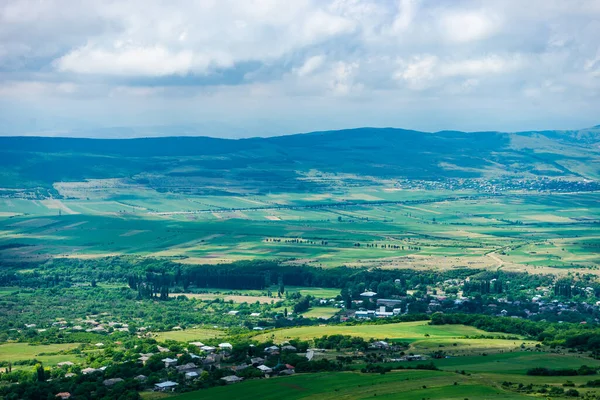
(419, 72)
(144, 61)
(290, 55)
(492, 64)
(310, 65)
(37, 89)
(343, 78)
(468, 26)
(406, 14)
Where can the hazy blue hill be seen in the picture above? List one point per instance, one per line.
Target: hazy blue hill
(384, 152)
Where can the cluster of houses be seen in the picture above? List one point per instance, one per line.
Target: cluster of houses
(385, 307)
(86, 325)
(525, 308)
(192, 370)
(213, 355)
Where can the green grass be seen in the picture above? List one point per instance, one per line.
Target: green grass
(326, 293)
(555, 232)
(23, 351)
(461, 347)
(190, 335)
(517, 362)
(403, 330)
(321, 312)
(483, 378)
(349, 385)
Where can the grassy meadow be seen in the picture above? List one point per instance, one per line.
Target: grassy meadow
(49, 354)
(351, 385)
(402, 330)
(380, 227)
(189, 335)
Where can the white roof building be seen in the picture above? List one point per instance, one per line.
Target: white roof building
(165, 385)
(368, 294)
(264, 369)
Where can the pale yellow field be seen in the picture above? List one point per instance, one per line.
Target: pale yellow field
(234, 298)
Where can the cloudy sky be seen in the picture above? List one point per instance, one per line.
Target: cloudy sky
(266, 67)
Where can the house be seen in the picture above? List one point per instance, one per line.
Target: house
(212, 359)
(264, 369)
(191, 375)
(389, 302)
(165, 386)
(382, 313)
(207, 349)
(99, 344)
(271, 349)
(169, 362)
(255, 314)
(287, 371)
(70, 375)
(225, 346)
(87, 371)
(141, 378)
(162, 349)
(289, 348)
(364, 314)
(111, 382)
(197, 344)
(233, 312)
(65, 364)
(240, 367)
(189, 367)
(257, 361)
(63, 395)
(381, 345)
(232, 379)
(368, 294)
(258, 328)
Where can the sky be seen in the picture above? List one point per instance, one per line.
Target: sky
(270, 67)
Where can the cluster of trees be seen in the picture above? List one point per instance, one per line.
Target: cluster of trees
(382, 369)
(583, 370)
(484, 287)
(302, 305)
(582, 337)
(153, 275)
(388, 246)
(341, 342)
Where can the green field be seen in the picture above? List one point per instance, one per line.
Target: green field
(321, 312)
(23, 351)
(348, 385)
(190, 335)
(521, 231)
(403, 330)
(482, 380)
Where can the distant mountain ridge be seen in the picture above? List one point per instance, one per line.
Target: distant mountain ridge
(380, 152)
